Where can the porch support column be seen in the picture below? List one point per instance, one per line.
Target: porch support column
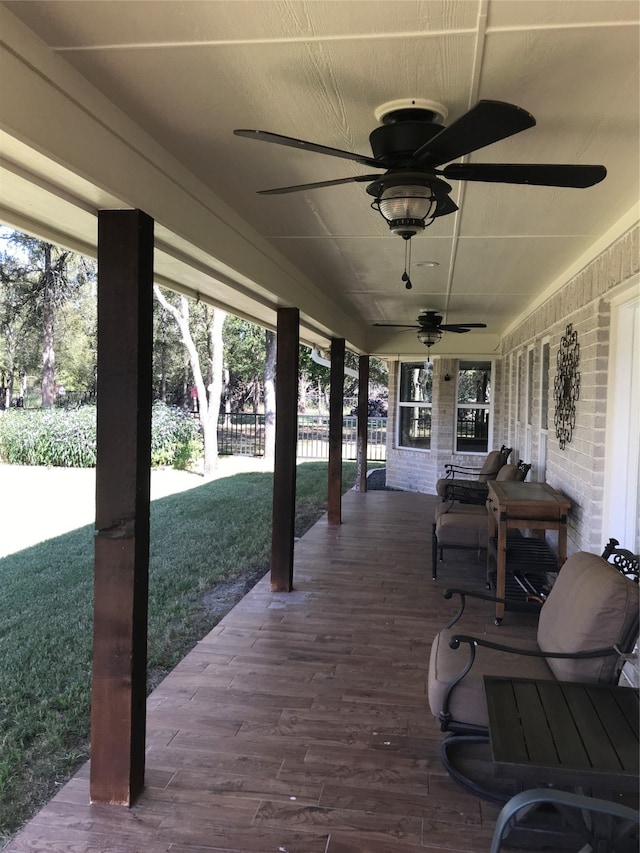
(121, 557)
(363, 423)
(284, 474)
(336, 403)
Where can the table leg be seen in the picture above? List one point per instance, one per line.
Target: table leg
(562, 544)
(492, 526)
(501, 568)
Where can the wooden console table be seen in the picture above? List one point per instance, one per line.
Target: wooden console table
(532, 506)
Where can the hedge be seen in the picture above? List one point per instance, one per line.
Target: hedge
(66, 438)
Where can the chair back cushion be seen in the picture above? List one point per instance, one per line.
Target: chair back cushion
(590, 606)
(492, 464)
(508, 473)
(512, 473)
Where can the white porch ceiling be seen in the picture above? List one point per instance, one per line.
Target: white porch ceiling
(134, 103)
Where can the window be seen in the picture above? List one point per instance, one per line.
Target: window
(530, 363)
(544, 396)
(541, 468)
(473, 406)
(414, 405)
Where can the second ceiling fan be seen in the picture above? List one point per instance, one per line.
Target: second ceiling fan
(430, 327)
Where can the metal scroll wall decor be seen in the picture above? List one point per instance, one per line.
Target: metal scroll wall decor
(566, 386)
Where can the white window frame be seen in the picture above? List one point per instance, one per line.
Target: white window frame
(485, 406)
(541, 472)
(520, 410)
(529, 364)
(412, 404)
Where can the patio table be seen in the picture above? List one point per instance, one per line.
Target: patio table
(575, 736)
(566, 733)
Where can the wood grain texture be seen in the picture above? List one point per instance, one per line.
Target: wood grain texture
(300, 723)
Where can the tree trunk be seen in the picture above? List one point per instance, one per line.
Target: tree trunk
(210, 428)
(10, 339)
(270, 395)
(48, 324)
(163, 358)
(208, 403)
(302, 394)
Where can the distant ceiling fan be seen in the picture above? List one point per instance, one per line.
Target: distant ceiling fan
(411, 143)
(430, 327)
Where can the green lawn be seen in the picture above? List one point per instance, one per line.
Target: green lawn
(216, 532)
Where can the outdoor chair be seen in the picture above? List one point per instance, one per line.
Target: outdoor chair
(461, 520)
(477, 491)
(488, 471)
(594, 824)
(625, 561)
(587, 628)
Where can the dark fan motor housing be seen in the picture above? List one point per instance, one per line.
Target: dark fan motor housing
(402, 133)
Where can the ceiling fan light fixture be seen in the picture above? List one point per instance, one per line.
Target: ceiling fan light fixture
(406, 208)
(429, 337)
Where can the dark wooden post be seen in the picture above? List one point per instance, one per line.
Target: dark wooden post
(363, 423)
(336, 403)
(284, 474)
(121, 561)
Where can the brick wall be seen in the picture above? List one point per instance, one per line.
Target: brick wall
(578, 470)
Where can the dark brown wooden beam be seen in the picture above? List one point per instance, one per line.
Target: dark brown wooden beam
(363, 423)
(121, 561)
(284, 474)
(336, 404)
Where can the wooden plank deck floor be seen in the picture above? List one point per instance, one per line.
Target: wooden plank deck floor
(300, 724)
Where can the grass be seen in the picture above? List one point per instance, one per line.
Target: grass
(200, 539)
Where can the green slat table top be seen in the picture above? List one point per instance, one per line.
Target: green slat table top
(564, 732)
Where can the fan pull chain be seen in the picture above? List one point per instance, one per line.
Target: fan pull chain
(407, 263)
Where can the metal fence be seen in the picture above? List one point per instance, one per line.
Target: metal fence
(243, 435)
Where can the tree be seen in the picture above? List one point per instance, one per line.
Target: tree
(11, 274)
(315, 379)
(38, 280)
(270, 339)
(171, 372)
(209, 394)
(50, 287)
(245, 359)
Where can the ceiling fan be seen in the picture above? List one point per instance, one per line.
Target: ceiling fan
(410, 145)
(430, 327)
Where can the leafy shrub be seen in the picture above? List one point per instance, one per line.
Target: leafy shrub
(63, 439)
(67, 438)
(175, 439)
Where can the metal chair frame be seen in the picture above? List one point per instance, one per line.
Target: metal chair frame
(582, 815)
